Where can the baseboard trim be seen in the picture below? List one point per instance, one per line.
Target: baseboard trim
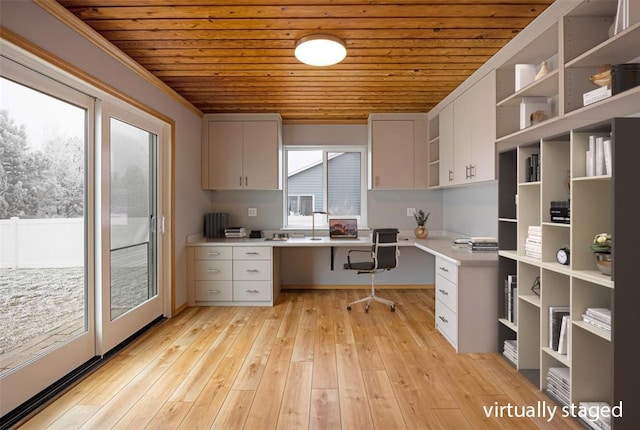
(360, 287)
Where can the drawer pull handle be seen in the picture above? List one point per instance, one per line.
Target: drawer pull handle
(443, 319)
(443, 291)
(253, 291)
(444, 269)
(213, 291)
(252, 270)
(252, 253)
(213, 253)
(213, 270)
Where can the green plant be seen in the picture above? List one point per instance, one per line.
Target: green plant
(421, 217)
(602, 242)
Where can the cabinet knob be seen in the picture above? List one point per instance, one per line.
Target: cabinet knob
(252, 291)
(213, 270)
(246, 181)
(443, 319)
(444, 269)
(443, 291)
(213, 291)
(252, 270)
(450, 175)
(213, 253)
(252, 253)
(240, 180)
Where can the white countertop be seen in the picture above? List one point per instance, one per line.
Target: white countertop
(440, 246)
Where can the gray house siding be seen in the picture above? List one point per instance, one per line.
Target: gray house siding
(344, 189)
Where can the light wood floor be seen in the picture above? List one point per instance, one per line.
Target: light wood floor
(306, 363)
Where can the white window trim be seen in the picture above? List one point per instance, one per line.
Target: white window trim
(362, 223)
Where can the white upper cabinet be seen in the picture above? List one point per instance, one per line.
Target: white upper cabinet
(398, 151)
(467, 134)
(241, 152)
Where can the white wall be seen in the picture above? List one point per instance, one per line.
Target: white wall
(39, 27)
(471, 210)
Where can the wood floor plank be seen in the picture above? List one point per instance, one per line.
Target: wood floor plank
(325, 409)
(354, 406)
(234, 410)
(266, 405)
(305, 363)
(382, 401)
(325, 373)
(294, 411)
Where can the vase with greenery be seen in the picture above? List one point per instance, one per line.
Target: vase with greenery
(601, 247)
(421, 231)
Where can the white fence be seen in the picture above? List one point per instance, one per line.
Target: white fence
(59, 242)
(32, 243)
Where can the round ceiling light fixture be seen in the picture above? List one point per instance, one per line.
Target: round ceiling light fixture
(320, 50)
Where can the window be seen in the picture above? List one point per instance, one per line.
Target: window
(328, 179)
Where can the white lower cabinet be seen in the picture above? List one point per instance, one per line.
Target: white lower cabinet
(231, 275)
(464, 307)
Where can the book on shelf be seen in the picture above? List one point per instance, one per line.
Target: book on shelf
(533, 242)
(483, 244)
(511, 298)
(532, 168)
(558, 383)
(564, 335)
(598, 414)
(601, 314)
(596, 95)
(510, 351)
(555, 324)
(598, 156)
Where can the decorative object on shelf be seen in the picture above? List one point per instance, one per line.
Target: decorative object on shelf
(525, 74)
(530, 106)
(544, 71)
(535, 286)
(562, 256)
(421, 231)
(602, 77)
(601, 248)
(538, 116)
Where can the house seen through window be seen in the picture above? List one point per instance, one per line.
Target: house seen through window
(324, 179)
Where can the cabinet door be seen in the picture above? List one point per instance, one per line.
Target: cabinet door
(260, 164)
(483, 122)
(225, 155)
(392, 155)
(463, 122)
(445, 124)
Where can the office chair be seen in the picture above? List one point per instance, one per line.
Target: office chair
(384, 256)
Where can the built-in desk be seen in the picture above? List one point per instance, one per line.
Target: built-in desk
(247, 272)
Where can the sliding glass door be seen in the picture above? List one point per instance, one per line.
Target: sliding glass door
(130, 298)
(47, 325)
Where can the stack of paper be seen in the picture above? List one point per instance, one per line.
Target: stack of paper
(558, 384)
(598, 317)
(597, 420)
(510, 351)
(533, 243)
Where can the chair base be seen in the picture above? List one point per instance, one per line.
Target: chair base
(371, 298)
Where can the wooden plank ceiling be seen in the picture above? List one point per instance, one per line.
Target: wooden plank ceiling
(237, 55)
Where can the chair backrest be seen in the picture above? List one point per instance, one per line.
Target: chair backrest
(386, 257)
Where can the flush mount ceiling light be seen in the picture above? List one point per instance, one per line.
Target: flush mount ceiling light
(320, 50)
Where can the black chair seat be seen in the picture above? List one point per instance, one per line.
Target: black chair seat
(360, 265)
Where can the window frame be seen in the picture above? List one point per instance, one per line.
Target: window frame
(326, 149)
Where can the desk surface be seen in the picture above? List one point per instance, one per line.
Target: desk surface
(440, 246)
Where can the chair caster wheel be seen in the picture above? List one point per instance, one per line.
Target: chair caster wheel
(348, 308)
(393, 308)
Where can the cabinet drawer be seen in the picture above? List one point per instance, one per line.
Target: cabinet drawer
(447, 292)
(244, 291)
(447, 323)
(252, 253)
(447, 269)
(213, 253)
(213, 291)
(213, 270)
(259, 270)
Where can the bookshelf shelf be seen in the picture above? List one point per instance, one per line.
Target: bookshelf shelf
(511, 254)
(532, 299)
(562, 358)
(593, 330)
(508, 324)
